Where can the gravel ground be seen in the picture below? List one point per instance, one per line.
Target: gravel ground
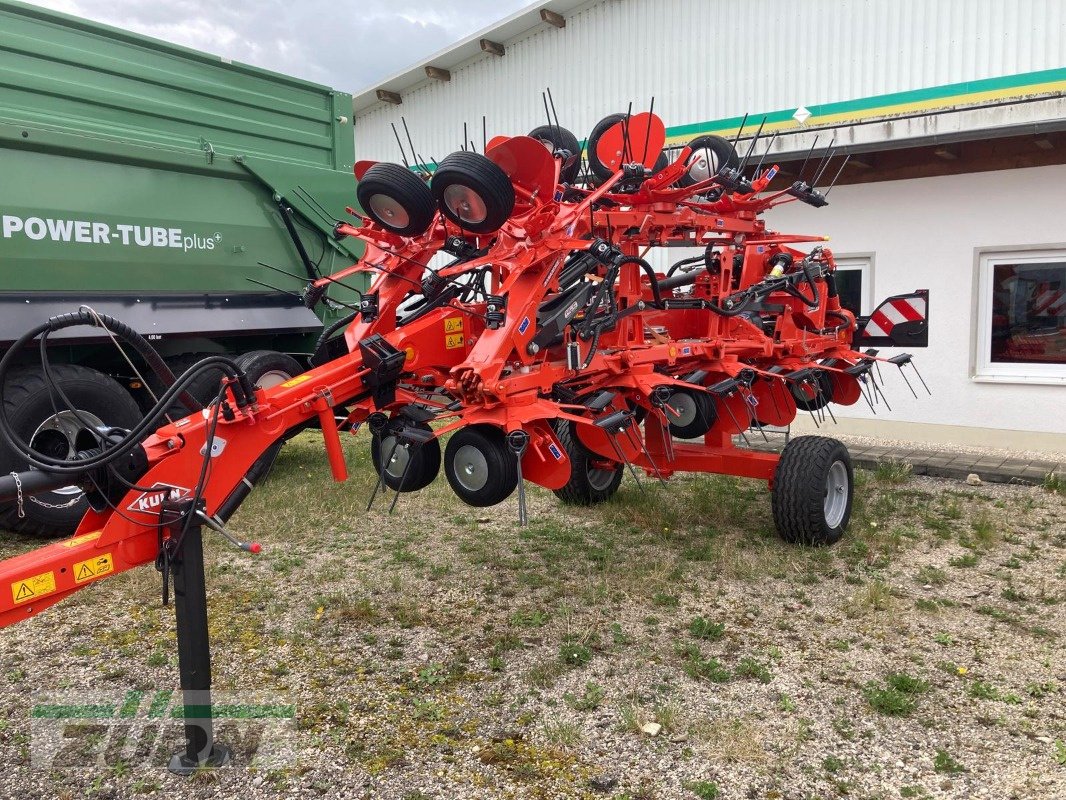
(664, 645)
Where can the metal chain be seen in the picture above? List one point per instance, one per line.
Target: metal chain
(18, 489)
(68, 504)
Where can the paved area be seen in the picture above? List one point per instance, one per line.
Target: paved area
(928, 460)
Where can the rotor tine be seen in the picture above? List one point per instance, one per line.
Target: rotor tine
(906, 381)
(743, 122)
(862, 390)
(749, 407)
(626, 155)
(547, 114)
(823, 163)
(407, 131)
(647, 131)
(736, 422)
(403, 155)
(484, 135)
(916, 372)
(764, 154)
(624, 460)
(381, 474)
(751, 147)
(803, 166)
(310, 198)
(831, 414)
(635, 438)
(877, 387)
(555, 114)
(836, 177)
(403, 478)
(275, 288)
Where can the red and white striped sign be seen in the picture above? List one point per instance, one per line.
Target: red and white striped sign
(1049, 302)
(892, 312)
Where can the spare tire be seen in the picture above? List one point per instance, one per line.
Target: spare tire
(28, 405)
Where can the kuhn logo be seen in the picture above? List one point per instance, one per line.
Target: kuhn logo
(149, 502)
(78, 231)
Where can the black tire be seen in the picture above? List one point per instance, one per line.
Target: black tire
(480, 467)
(28, 407)
(588, 484)
(202, 390)
(396, 199)
(813, 469)
(557, 139)
(473, 192)
(714, 149)
(698, 414)
(266, 369)
(422, 462)
(599, 169)
(823, 386)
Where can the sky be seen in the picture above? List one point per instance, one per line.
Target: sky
(346, 44)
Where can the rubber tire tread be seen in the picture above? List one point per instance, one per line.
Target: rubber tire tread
(502, 465)
(799, 490)
(485, 178)
(722, 148)
(705, 408)
(421, 473)
(821, 400)
(23, 387)
(561, 139)
(578, 491)
(406, 188)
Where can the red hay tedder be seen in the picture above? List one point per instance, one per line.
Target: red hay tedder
(547, 349)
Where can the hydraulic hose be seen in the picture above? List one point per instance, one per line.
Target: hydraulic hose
(644, 265)
(242, 387)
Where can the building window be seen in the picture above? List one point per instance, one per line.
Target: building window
(1021, 331)
(854, 283)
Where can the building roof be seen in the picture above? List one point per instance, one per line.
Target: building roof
(522, 21)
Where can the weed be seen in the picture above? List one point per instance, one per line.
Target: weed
(702, 628)
(943, 638)
(1054, 483)
(964, 561)
(832, 764)
(983, 691)
(932, 576)
(750, 668)
(896, 696)
(704, 790)
(589, 700)
(1060, 752)
(943, 762)
(562, 732)
(892, 472)
(574, 655)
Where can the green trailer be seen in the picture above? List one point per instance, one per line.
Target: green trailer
(159, 185)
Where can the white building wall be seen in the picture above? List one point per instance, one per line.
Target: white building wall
(713, 59)
(924, 233)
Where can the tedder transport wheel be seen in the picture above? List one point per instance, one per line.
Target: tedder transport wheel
(473, 192)
(480, 467)
(812, 398)
(813, 487)
(556, 139)
(421, 462)
(396, 198)
(696, 414)
(592, 479)
(601, 170)
(98, 398)
(709, 155)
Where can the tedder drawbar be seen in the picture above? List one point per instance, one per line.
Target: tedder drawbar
(542, 345)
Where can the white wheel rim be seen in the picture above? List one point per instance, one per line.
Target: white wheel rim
(702, 164)
(398, 456)
(67, 425)
(836, 494)
(600, 479)
(685, 406)
(466, 204)
(275, 377)
(387, 209)
(471, 468)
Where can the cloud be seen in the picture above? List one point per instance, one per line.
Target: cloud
(347, 46)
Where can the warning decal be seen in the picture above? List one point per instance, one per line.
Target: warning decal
(94, 567)
(31, 588)
(296, 381)
(453, 340)
(85, 537)
(453, 325)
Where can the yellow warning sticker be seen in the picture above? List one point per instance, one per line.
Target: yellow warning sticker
(31, 588)
(453, 340)
(94, 567)
(453, 325)
(85, 537)
(296, 381)
(409, 354)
